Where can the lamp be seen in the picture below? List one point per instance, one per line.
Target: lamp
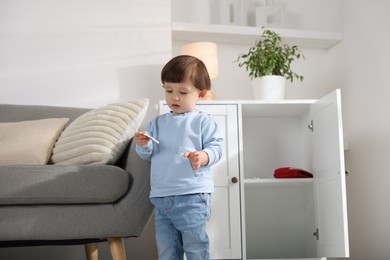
(206, 52)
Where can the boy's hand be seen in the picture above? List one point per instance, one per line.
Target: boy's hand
(197, 159)
(141, 139)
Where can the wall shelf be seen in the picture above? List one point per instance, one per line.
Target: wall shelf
(234, 34)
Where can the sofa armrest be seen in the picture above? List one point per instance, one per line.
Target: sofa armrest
(136, 205)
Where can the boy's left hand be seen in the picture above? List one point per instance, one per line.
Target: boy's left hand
(197, 159)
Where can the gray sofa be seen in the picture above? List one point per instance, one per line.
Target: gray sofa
(73, 204)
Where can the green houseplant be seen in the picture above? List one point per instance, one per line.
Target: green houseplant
(270, 57)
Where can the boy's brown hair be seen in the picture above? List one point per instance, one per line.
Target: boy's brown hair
(185, 67)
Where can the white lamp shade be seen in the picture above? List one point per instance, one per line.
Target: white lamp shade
(206, 52)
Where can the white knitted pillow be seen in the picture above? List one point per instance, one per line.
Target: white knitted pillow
(100, 136)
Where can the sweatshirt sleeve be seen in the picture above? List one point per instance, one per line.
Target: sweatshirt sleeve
(145, 152)
(212, 141)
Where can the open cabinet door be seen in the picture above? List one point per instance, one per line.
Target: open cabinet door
(329, 178)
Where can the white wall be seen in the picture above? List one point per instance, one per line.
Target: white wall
(361, 68)
(83, 53)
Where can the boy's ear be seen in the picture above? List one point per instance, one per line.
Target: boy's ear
(202, 93)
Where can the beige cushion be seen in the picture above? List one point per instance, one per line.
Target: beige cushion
(29, 142)
(100, 136)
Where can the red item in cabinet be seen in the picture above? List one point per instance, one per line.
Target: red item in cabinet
(291, 172)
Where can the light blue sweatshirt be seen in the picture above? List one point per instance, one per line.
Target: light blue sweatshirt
(171, 173)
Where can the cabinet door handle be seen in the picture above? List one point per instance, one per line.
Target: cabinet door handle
(234, 180)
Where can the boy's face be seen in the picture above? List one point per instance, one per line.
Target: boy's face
(181, 97)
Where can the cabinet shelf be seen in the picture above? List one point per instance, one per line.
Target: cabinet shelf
(235, 34)
(277, 183)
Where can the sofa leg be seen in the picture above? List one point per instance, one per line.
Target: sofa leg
(117, 248)
(91, 250)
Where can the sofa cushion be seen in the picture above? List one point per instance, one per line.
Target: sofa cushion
(101, 135)
(62, 184)
(29, 142)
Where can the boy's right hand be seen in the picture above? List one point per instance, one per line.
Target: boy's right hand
(141, 139)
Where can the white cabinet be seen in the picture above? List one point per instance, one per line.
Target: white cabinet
(266, 218)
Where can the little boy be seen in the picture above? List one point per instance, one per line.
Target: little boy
(189, 144)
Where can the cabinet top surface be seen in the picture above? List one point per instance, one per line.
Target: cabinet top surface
(254, 102)
(251, 108)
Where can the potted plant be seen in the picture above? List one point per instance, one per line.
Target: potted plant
(268, 63)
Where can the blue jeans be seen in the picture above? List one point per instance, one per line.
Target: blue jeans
(181, 226)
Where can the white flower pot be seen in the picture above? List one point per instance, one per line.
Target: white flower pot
(269, 87)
